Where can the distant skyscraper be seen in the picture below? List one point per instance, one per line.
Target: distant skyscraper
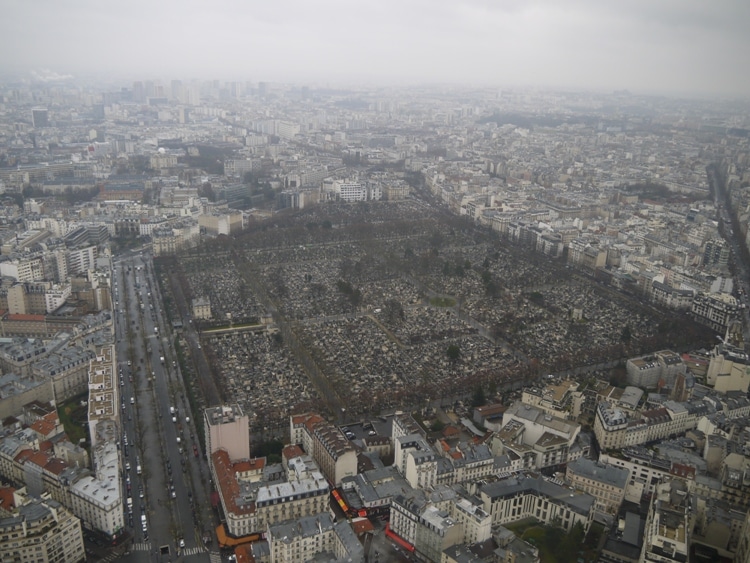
(40, 117)
(97, 111)
(139, 92)
(176, 93)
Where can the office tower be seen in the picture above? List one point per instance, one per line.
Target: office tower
(40, 117)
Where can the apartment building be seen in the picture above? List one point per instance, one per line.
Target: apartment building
(743, 548)
(375, 489)
(554, 399)
(426, 528)
(24, 269)
(227, 428)
(97, 499)
(300, 539)
(68, 370)
(647, 371)
(234, 481)
(176, 237)
(476, 523)
(312, 537)
(326, 443)
(254, 496)
(615, 429)
(406, 445)
(41, 531)
(533, 496)
(333, 452)
(644, 473)
(421, 468)
(540, 439)
(81, 260)
(668, 529)
(217, 223)
(607, 484)
(715, 311)
(238, 168)
(728, 368)
(305, 495)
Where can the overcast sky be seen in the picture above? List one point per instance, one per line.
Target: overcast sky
(669, 46)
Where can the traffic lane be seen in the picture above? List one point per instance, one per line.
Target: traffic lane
(154, 479)
(140, 385)
(178, 495)
(171, 431)
(130, 482)
(190, 485)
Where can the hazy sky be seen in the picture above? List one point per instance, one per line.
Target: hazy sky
(677, 46)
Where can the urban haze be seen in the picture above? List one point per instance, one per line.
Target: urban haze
(336, 282)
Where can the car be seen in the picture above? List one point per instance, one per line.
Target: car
(182, 542)
(174, 419)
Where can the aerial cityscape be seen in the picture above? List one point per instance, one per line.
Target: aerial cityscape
(370, 294)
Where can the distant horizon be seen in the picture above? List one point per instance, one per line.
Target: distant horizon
(671, 47)
(49, 76)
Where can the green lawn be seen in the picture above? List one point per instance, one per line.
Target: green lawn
(553, 543)
(442, 302)
(521, 526)
(74, 418)
(538, 537)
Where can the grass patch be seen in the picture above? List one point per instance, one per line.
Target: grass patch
(553, 543)
(443, 302)
(233, 326)
(521, 526)
(74, 418)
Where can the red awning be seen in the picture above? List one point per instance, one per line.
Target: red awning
(395, 537)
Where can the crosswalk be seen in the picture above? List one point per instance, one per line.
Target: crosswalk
(143, 546)
(110, 558)
(192, 550)
(214, 557)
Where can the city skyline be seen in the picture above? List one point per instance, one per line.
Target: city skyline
(680, 48)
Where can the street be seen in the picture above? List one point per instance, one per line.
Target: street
(167, 485)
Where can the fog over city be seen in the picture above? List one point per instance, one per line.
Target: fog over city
(685, 47)
(406, 281)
